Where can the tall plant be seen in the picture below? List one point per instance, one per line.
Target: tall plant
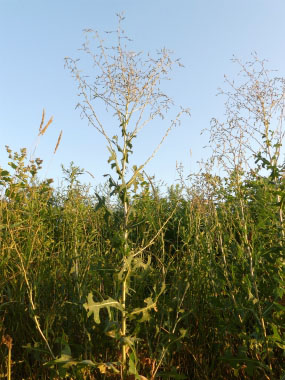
(128, 85)
(253, 132)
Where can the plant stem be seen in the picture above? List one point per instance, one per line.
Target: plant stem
(124, 326)
(9, 362)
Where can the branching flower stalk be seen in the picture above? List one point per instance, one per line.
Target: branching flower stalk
(254, 109)
(252, 132)
(129, 86)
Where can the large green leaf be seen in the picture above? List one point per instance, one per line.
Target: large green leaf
(95, 307)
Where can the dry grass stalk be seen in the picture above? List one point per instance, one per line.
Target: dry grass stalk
(42, 121)
(58, 142)
(43, 130)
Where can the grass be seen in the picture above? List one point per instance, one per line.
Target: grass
(220, 315)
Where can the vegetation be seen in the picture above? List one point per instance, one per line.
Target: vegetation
(129, 283)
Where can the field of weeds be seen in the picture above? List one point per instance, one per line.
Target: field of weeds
(132, 282)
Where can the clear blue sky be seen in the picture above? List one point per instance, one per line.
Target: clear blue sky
(36, 35)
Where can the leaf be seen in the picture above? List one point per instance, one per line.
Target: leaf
(65, 359)
(112, 329)
(275, 332)
(87, 363)
(66, 350)
(126, 267)
(251, 297)
(112, 156)
(14, 166)
(276, 338)
(133, 178)
(139, 263)
(95, 307)
(279, 306)
(104, 366)
(128, 341)
(150, 304)
(132, 366)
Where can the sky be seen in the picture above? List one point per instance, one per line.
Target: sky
(36, 36)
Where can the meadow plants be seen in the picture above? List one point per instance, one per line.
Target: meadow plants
(127, 282)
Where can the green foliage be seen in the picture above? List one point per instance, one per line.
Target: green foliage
(206, 297)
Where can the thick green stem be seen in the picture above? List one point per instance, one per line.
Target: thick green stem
(124, 283)
(124, 295)
(124, 326)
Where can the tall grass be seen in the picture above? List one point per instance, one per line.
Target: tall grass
(221, 314)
